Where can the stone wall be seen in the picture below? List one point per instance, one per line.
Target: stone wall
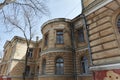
(103, 36)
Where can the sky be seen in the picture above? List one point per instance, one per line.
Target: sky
(58, 9)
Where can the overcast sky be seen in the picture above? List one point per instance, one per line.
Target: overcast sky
(58, 9)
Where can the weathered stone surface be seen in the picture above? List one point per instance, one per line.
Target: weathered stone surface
(110, 45)
(97, 48)
(106, 32)
(106, 54)
(94, 36)
(100, 11)
(113, 5)
(107, 61)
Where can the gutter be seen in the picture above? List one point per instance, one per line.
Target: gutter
(87, 33)
(73, 50)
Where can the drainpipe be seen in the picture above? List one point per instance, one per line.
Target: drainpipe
(87, 33)
(73, 50)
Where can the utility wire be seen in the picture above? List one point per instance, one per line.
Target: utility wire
(72, 10)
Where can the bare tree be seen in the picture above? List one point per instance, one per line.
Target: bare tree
(23, 15)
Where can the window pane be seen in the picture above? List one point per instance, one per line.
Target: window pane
(46, 40)
(30, 52)
(83, 67)
(59, 60)
(84, 64)
(27, 70)
(59, 32)
(81, 35)
(59, 37)
(44, 67)
(59, 66)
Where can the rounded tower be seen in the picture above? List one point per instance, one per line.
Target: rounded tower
(56, 54)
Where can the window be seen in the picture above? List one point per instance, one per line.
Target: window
(59, 37)
(37, 70)
(59, 66)
(118, 24)
(30, 52)
(39, 52)
(46, 40)
(84, 65)
(44, 66)
(27, 70)
(81, 35)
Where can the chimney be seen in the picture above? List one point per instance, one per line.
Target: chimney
(37, 38)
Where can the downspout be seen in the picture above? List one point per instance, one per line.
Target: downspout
(73, 50)
(86, 27)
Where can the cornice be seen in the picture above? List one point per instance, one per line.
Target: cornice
(105, 67)
(55, 50)
(95, 5)
(55, 20)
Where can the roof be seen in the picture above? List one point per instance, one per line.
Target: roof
(13, 39)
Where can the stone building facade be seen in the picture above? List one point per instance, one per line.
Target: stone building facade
(53, 57)
(84, 48)
(13, 62)
(103, 18)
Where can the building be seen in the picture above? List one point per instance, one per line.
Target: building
(103, 18)
(84, 48)
(12, 65)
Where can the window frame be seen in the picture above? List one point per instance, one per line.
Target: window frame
(84, 65)
(59, 37)
(30, 52)
(46, 37)
(80, 33)
(44, 67)
(59, 66)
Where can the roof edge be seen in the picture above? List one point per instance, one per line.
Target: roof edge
(55, 20)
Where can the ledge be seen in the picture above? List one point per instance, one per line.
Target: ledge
(105, 67)
(55, 50)
(64, 75)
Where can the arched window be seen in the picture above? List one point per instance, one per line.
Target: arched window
(44, 66)
(84, 65)
(59, 63)
(118, 23)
